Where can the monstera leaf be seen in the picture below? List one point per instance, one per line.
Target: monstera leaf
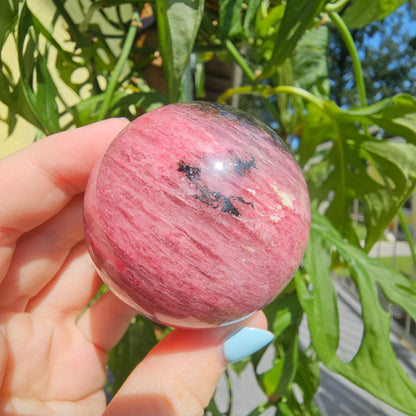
(375, 366)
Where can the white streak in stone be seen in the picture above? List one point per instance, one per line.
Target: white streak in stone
(285, 198)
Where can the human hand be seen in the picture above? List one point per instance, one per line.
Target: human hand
(53, 349)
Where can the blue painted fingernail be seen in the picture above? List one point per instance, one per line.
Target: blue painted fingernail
(244, 342)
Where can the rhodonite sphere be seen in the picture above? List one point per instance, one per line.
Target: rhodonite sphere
(197, 215)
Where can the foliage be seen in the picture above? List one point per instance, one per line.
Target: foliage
(388, 56)
(282, 49)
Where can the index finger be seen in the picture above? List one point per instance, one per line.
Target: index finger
(38, 181)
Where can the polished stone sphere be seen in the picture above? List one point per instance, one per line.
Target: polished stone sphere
(197, 215)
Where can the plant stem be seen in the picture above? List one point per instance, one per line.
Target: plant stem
(306, 95)
(336, 6)
(266, 91)
(112, 83)
(239, 59)
(408, 235)
(356, 64)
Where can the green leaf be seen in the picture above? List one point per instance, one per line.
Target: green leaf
(351, 166)
(230, 18)
(375, 366)
(132, 348)
(146, 101)
(48, 36)
(318, 297)
(46, 95)
(285, 315)
(25, 60)
(398, 116)
(392, 179)
(310, 68)
(86, 111)
(8, 17)
(95, 58)
(38, 87)
(307, 378)
(66, 69)
(252, 9)
(239, 366)
(298, 17)
(17, 103)
(330, 175)
(178, 24)
(318, 129)
(361, 13)
(266, 25)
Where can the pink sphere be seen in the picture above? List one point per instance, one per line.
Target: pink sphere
(197, 215)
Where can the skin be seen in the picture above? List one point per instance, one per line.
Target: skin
(53, 349)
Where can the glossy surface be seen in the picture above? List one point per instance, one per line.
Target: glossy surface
(196, 216)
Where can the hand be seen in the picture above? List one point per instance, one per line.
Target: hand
(53, 349)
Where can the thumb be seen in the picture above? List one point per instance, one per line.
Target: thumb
(179, 375)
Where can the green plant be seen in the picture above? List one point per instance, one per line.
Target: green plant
(281, 48)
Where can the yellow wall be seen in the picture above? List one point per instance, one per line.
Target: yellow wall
(25, 133)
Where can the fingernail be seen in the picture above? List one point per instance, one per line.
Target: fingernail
(124, 118)
(244, 342)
